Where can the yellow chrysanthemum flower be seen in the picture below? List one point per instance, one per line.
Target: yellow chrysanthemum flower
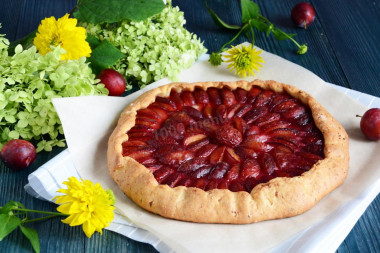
(244, 60)
(64, 33)
(86, 204)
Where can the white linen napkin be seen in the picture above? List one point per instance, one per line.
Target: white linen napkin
(88, 122)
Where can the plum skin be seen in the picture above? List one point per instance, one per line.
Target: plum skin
(18, 154)
(303, 14)
(370, 124)
(113, 81)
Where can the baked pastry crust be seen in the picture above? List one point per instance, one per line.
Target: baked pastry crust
(279, 198)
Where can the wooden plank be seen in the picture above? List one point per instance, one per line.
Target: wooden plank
(12, 188)
(54, 235)
(320, 58)
(10, 12)
(338, 23)
(365, 236)
(33, 11)
(354, 34)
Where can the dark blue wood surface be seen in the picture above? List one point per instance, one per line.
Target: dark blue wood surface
(343, 49)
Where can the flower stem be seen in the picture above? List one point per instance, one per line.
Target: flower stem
(253, 35)
(279, 30)
(20, 213)
(302, 49)
(234, 38)
(72, 11)
(37, 211)
(264, 18)
(42, 218)
(289, 37)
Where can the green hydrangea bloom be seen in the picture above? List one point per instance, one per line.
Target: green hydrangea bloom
(28, 82)
(155, 48)
(215, 59)
(4, 43)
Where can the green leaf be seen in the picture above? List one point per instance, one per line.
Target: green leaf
(280, 35)
(32, 235)
(249, 10)
(7, 208)
(93, 41)
(111, 11)
(261, 26)
(220, 22)
(77, 15)
(104, 56)
(8, 223)
(26, 43)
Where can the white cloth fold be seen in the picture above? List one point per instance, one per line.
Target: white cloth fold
(88, 121)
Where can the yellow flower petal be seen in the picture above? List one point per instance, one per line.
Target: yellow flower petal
(243, 60)
(88, 229)
(64, 33)
(86, 204)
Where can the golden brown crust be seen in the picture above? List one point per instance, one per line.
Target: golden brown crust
(278, 198)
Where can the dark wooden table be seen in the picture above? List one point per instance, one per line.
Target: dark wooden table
(344, 49)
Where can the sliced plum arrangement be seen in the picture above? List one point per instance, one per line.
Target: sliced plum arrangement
(224, 139)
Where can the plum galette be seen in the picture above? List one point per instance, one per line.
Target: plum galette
(227, 152)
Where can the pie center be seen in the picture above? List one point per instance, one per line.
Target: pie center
(225, 139)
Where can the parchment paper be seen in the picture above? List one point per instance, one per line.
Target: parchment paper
(88, 122)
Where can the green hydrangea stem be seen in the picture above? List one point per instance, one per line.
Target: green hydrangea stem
(72, 11)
